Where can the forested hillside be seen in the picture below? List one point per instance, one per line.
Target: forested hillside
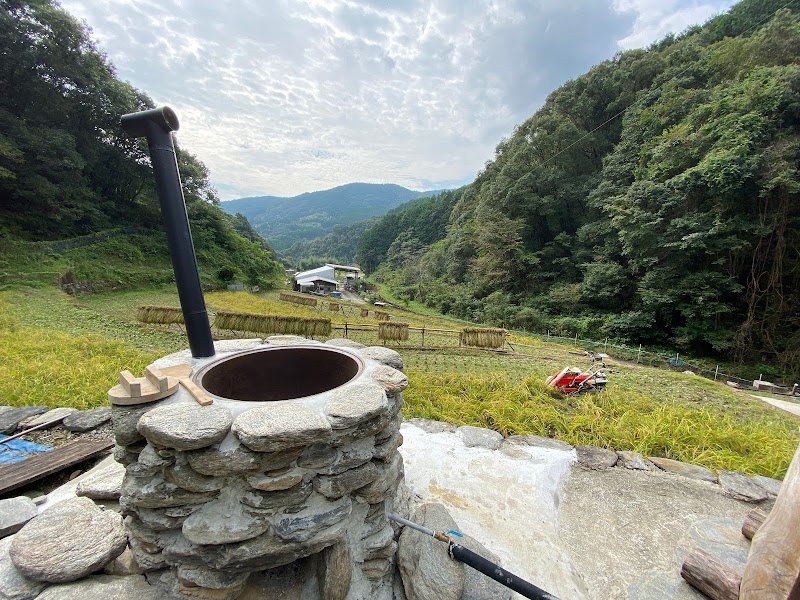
(67, 169)
(285, 221)
(655, 199)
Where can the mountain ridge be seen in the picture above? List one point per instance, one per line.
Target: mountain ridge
(286, 220)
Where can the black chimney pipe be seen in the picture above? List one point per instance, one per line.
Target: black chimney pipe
(157, 126)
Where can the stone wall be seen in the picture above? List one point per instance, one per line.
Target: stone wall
(214, 493)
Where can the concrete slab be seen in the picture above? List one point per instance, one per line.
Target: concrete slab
(785, 405)
(509, 504)
(621, 526)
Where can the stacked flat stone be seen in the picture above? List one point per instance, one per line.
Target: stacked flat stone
(217, 492)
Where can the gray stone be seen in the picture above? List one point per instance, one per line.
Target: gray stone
(344, 343)
(335, 571)
(355, 404)
(514, 451)
(210, 578)
(149, 561)
(388, 475)
(86, 420)
(124, 564)
(306, 524)
(13, 584)
(718, 536)
(632, 460)
(349, 456)
(426, 569)
(386, 356)
(155, 492)
(740, 486)
(317, 456)
(290, 340)
(238, 459)
(104, 587)
(770, 485)
(392, 380)
(221, 346)
(478, 586)
(284, 481)
(123, 456)
(157, 519)
(125, 419)
(479, 437)
(431, 426)
(186, 426)
(49, 416)
(335, 486)
(224, 520)
(149, 462)
(684, 469)
(102, 484)
(366, 429)
(386, 449)
(538, 441)
(656, 584)
(379, 544)
(275, 428)
(388, 431)
(10, 416)
(377, 568)
(183, 475)
(81, 538)
(596, 458)
(284, 499)
(14, 513)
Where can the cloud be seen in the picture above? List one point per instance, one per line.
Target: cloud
(286, 96)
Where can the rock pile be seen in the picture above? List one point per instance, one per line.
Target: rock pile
(215, 493)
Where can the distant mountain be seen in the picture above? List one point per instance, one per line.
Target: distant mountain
(284, 221)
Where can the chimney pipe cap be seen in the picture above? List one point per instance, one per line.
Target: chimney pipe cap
(136, 124)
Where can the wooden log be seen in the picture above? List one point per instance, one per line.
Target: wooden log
(709, 576)
(773, 566)
(752, 521)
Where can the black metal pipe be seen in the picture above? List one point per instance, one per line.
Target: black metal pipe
(157, 126)
(488, 568)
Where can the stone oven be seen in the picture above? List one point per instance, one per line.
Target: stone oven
(294, 461)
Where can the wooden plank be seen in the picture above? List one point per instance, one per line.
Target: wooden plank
(752, 521)
(32, 469)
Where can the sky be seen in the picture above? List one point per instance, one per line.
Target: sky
(281, 97)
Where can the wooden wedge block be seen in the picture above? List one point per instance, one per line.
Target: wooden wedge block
(157, 378)
(131, 385)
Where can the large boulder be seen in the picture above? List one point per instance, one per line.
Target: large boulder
(68, 541)
(427, 571)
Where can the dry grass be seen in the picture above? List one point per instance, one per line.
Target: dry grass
(159, 315)
(381, 315)
(483, 337)
(272, 324)
(298, 299)
(393, 331)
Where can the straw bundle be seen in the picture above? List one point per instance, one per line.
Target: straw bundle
(483, 338)
(298, 299)
(364, 312)
(162, 315)
(272, 324)
(381, 316)
(333, 307)
(393, 331)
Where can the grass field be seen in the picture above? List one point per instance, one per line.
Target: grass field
(67, 351)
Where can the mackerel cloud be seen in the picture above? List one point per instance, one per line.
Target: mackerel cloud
(286, 97)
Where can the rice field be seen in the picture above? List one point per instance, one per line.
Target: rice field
(67, 351)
